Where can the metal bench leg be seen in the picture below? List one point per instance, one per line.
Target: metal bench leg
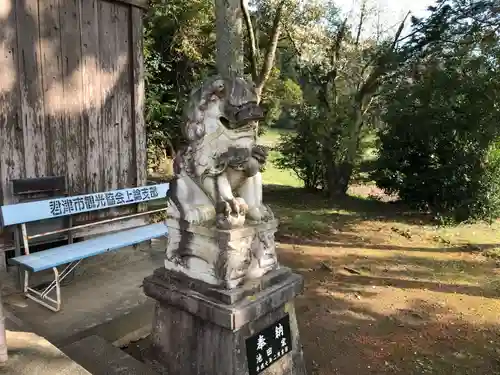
(37, 296)
(42, 297)
(26, 281)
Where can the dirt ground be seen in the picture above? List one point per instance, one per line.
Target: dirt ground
(388, 291)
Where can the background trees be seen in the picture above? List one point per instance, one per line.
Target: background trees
(424, 102)
(439, 148)
(179, 50)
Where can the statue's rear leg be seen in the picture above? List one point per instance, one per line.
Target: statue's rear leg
(190, 202)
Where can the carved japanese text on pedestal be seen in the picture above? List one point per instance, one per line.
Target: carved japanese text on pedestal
(268, 346)
(220, 230)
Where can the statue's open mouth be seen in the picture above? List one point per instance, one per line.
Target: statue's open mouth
(239, 116)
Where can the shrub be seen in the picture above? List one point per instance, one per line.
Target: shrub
(300, 151)
(440, 149)
(488, 205)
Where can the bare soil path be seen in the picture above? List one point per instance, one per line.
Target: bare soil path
(388, 291)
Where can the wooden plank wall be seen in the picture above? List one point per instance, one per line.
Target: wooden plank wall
(71, 94)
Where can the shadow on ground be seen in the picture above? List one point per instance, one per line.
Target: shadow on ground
(310, 218)
(371, 323)
(299, 206)
(386, 291)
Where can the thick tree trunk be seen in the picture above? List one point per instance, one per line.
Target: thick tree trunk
(338, 178)
(339, 169)
(229, 29)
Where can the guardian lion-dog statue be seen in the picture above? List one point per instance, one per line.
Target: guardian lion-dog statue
(220, 231)
(219, 172)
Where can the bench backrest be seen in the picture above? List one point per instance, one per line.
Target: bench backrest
(50, 208)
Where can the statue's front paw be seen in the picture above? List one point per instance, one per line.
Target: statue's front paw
(231, 213)
(232, 207)
(238, 207)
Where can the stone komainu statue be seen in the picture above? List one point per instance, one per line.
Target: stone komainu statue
(219, 172)
(220, 232)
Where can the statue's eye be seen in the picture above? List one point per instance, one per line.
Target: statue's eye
(219, 86)
(219, 90)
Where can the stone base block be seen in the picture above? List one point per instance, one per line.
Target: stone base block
(196, 332)
(225, 258)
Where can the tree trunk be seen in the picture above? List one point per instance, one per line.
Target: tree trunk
(338, 178)
(229, 29)
(339, 169)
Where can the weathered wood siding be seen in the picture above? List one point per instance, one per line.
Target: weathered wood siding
(72, 93)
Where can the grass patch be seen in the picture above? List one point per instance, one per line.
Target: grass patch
(300, 213)
(311, 214)
(492, 253)
(275, 176)
(308, 223)
(272, 136)
(478, 237)
(493, 285)
(455, 271)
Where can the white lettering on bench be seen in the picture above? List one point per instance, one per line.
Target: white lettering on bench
(50, 208)
(90, 202)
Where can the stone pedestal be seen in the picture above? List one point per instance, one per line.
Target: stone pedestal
(201, 330)
(222, 258)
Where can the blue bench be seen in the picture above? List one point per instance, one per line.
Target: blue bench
(72, 254)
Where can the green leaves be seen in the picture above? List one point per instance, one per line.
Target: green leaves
(443, 120)
(179, 50)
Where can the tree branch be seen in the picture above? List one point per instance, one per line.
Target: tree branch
(335, 57)
(254, 52)
(271, 49)
(294, 45)
(360, 25)
(338, 43)
(400, 30)
(370, 85)
(299, 54)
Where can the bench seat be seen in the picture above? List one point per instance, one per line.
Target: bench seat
(57, 256)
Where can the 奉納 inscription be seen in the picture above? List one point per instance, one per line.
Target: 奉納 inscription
(268, 346)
